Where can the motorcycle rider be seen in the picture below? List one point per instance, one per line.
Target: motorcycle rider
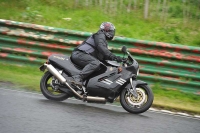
(93, 50)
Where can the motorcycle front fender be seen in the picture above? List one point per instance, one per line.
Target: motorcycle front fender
(135, 83)
(131, 87)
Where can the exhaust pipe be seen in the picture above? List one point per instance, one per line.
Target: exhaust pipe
(91, 99)
(55, 73)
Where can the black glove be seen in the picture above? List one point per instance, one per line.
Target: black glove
(115, 58)
(118, 59)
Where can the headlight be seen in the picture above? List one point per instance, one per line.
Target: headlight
(138, 71)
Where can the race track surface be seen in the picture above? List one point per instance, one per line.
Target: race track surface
(27, 112)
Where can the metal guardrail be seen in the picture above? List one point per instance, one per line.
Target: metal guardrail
(172, 66)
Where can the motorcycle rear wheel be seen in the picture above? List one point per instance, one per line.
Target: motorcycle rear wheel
(48, 91)
(140, 104)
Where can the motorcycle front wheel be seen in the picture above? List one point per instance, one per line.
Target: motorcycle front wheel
(48, 88)
(140, 104)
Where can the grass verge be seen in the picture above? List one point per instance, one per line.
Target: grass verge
(82, 18)
(26, 77)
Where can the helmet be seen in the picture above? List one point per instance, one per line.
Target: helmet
(108, 29)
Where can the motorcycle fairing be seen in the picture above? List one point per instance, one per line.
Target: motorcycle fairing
(64, 62)
(103, 85)
(108, 84)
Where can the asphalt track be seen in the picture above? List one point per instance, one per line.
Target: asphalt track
(27, 112)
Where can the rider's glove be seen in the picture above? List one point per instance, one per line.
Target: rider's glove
(118, 59)
(115, 58)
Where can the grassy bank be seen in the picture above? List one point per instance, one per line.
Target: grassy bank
(29, 78)
(129, 24)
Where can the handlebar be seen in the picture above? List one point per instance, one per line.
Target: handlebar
(124, 60)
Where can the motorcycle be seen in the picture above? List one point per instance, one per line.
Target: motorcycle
(113, 80)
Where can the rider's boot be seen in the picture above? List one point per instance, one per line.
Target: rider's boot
(77, 80)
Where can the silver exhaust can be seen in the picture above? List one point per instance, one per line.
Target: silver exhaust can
(55, 73)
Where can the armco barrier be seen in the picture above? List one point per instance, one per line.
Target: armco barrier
(172, 66)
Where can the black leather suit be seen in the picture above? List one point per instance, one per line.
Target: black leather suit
(88, 56)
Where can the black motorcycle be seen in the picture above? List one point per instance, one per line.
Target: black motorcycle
(113, 80)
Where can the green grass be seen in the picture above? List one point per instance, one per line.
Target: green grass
(23, 77)
(176, 100)
(28, 78)
(174, 30)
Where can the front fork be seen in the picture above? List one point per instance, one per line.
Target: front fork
(132, 90)
(132, 86)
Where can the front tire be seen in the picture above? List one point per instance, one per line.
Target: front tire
(139, 105)
(48, 91)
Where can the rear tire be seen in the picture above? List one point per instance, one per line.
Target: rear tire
(48, 91)
(139, 105)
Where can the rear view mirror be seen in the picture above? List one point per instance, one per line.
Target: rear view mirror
(124, 49)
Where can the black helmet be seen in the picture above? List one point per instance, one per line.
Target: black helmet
(108, 29)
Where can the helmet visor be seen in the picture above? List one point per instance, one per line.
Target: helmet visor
(110, 34)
